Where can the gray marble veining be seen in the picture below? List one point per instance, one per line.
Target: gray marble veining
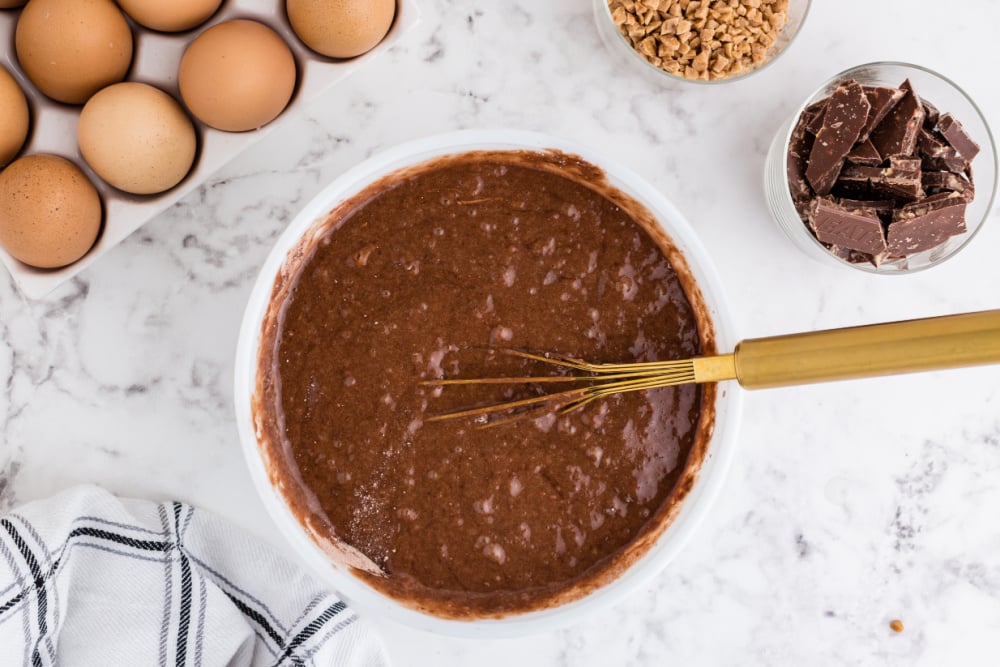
(848, 505)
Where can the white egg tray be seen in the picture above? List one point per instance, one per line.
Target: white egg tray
(155, 61)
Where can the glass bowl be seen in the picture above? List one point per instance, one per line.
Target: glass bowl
(937, 90)
(618, 45)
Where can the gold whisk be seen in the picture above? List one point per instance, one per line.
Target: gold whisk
(839, 354)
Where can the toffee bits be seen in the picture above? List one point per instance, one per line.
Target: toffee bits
(701, 40)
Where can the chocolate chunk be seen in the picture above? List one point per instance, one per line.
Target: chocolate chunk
(936, 182)
(813, 116)
(865, 154)
(877, 204)
(898, 131)
(846, 113)
(926, 205)
(926, 224)
(836, 225)
(880, 207)
(949, 160)
(855, 257)
(901, 188)
(931, 114)
(815, 107)
(882, 101)
(845, 253)
(855, 181)
(942, 180)
(931, 144)
(795, 165)
(901, 163)
(899, 181)
(814, 122)
(958, 137)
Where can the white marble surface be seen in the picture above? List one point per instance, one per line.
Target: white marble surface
(848, 505)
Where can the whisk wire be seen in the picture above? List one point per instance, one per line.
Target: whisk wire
(601, 380)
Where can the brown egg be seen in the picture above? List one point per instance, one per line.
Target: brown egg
(237, 76)
(50, 214)
(137, 138)
(71, 49)
(341, 28)
(13, 117)
(174, 16)
(10, 4)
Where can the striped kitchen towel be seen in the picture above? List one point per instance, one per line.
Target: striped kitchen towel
(90, 579)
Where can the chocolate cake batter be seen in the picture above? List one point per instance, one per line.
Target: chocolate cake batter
(419, 277)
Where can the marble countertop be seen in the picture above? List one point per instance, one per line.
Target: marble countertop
(848, 504)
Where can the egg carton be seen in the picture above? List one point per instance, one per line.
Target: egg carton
(155, 61)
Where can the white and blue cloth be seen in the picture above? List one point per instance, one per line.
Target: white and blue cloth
(87, 578)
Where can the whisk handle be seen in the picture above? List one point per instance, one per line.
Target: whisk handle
(880, 349)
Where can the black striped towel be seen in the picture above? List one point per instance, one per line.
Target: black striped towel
(90, 579)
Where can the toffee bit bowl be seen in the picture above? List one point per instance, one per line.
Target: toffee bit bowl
(619, 46)
(935, 89)
(668, 537)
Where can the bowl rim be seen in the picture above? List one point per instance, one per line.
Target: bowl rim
(991, 146)
(718, 456)
(602, 13)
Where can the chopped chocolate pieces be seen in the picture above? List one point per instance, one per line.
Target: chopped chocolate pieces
(936, 182)
(900, 180)
(855, 181)
(957, 137)
(904, 164)
(931, 144)
(932, 114)
(846, 113)
(865, 154)
(855, 257)
(897, 133)
(883, 209)
(815, 122)
(927, 224)
(878, 174)
(798, 150)
(948, 160)
(855, 230)
(931, 203)
(882, 101)
(816, 106)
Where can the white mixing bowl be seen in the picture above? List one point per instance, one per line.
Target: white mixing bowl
(695, 505)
